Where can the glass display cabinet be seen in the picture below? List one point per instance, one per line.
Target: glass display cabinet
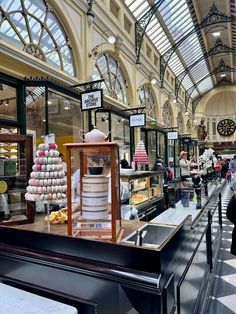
(15, 164)
(93, 191)
(146, 189)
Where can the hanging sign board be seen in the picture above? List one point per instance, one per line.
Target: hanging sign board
(91, 99)
(174, 135)
(138, 119)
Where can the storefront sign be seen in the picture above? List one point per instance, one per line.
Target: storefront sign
(137, 120)
(91, 99)
(174, 135)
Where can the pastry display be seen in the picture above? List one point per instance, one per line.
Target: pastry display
(138, 198)
(140, 154)
(47, 180)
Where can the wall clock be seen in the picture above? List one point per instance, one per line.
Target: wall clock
(226, 127)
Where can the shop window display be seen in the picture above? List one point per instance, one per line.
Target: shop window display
(152, 153)
(121, 135)
(7, 102)
(35, 110)
(161, 144)
(33, 27)
(69, 128)
(102, 121)
(120, 131)
(115, 84)
(58, 105)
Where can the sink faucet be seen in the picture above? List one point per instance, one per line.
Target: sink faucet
(140, 235)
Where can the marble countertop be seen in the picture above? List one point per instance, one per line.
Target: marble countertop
(17, 301)
(175, 216)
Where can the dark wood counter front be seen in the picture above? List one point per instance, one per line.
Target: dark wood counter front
(104, 278)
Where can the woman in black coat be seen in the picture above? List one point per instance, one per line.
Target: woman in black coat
(231, 215)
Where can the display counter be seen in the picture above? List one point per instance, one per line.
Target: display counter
(15, 164)
(153, 275)
(145, 193)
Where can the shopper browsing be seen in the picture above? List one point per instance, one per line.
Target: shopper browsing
(184, 166)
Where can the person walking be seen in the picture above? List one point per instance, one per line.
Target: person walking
(218, 168)
(228, 176)
(232, 166)
(186, 193)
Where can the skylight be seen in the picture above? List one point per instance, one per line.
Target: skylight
(169, 24)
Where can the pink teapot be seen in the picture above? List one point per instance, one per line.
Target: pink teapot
(95, 136)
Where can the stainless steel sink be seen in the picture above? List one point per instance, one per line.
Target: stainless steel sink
(153, 235)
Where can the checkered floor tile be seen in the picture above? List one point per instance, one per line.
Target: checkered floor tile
(223, 300)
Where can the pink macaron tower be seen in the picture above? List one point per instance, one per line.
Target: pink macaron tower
(47, 173)
(140, 154)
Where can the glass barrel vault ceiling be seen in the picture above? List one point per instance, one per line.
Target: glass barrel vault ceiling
(175, 17)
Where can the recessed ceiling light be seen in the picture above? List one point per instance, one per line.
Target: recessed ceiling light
(216, 34)
(223, 75)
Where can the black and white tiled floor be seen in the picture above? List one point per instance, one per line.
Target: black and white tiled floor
(223, 300)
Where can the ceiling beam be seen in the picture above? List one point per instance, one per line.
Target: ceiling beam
(199, 18)
(229, 28)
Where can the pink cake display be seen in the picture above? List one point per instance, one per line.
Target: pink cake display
(140, 155)
(47, 179)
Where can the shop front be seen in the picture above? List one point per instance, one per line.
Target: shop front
(115, 124)
(173, 152)
(29, 110)
(154, 140)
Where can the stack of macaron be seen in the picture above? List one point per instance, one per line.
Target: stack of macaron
(47, 180)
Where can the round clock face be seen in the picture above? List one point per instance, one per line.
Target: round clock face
(226, 127)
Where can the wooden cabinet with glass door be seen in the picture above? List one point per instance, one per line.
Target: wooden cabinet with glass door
(15, 165)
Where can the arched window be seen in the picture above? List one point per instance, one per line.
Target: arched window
(167, 115)
(180, 122)
(32, 26)
(115, 84)
(146, 99)
(189, 126)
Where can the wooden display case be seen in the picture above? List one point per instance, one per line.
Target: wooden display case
(15, 165)
(95, 211)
